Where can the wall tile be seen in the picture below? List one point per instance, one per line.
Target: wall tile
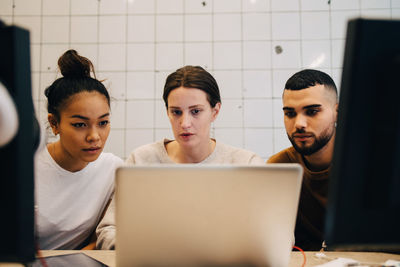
(281, 141)
(375, 3)
(316, 54)
(141, 7)
(114, 7)
(140, 85)
(160, 134)
(84, 29)
(339, 22)
(277, 111)
(229, 83)
(257, 55)
(289, 58)
(8, 20)
(169, 28)
(259, 141)
(337, 78)
(396, 13)
(198, 54)
(136, 138)
(46, 79)
(312, 30)
(257, 83)
(222, 22)
(87, 7)
(280, 78)
(139, 114)
(376, 13)
(257, 113)
(345, 5)
(198, 28)
(257, 26)
(6, 7)
(169, 56)
(50, 53)
(284, 5)
(227, 55)
(285, 26)
(32, 24)
(116, 143)
(35, 80)
(337, 53)
(161, 76)
(141, 28)
(59, 7)
(169, 7)
(118, 111)
(395, 3)
(115, 83)
(108, 26)
(161, 116)
(55, 29)
(112, 57)
(256, 6)
(140, 57)
(229, 136)
(227, 6)
(27, 7)
(314, 5)
(230, 114)
(198, 6)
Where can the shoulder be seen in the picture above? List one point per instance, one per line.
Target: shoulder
(109, 158)
(288, 155)
(147, 154)
(230, 154)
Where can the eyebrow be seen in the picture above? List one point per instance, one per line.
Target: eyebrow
(194, 106)
(305, 107)
(86, 118)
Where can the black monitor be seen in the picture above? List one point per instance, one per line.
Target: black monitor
(363, 210)
(16, 157)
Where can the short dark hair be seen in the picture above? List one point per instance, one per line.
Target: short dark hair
(193, 77)
(309, 77)
(76, 79)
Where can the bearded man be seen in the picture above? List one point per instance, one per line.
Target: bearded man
(310, 104)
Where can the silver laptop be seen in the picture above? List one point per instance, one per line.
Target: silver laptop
(204, 215)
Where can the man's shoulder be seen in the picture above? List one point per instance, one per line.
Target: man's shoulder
(288, 155)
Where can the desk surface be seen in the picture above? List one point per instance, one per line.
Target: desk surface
(296, 260)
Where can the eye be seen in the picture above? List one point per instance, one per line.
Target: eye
(78, 125)
(195, 111)
(312, 112)
(104, 123)
(176, 112)
(290, 114)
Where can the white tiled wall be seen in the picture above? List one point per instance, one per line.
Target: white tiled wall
(250, 46)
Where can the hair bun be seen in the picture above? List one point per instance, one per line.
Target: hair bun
(73, 65)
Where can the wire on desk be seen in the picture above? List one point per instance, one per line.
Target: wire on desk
(304, 255)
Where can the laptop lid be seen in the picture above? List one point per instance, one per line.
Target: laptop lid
(204, 215)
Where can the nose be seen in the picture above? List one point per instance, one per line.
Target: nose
(301, 122)
(93, 136)
(186, 121)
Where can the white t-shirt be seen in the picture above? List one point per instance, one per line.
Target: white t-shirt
(69, 204)
(223, 154)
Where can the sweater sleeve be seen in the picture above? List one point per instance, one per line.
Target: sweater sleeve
(105, 230)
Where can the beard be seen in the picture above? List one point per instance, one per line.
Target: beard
(317, 145)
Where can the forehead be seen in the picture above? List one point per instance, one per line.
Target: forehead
(315, 95)
(184, 96)
(86, 104)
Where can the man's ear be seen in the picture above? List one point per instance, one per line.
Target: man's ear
(53, 123)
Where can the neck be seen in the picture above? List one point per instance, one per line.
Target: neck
(181, 154)
(63, 159)
(322, 159)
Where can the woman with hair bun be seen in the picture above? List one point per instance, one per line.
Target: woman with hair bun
(74, 179)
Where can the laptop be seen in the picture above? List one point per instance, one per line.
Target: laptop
(205, 215)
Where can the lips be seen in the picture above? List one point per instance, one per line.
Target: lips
(92, 149)
(186, 134)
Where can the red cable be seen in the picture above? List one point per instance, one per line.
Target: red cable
(40, 256)
(304, 255)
